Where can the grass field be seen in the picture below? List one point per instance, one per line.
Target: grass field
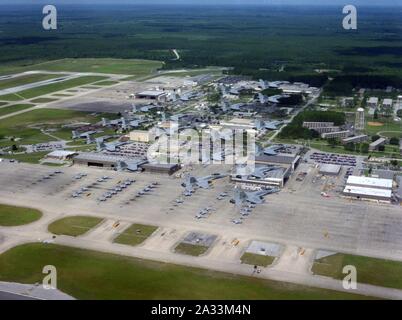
(26, 79)
(379, 272)
(33, 158)
(106, 83)
(190, 249)
(18, 125)
(11, 216)
(14, 108)
(93, 275)
(135, 234)
(257, 259)
(388, 125)
(74, 226)
(43, 100)
(134, 67)
(54, 87)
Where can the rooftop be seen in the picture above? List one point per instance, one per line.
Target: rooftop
(370, 182)
(352, 190)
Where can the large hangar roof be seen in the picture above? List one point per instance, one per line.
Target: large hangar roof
(370, 182)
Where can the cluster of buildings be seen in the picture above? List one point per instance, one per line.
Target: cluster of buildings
(346, 133)
(384, 107)
(329, 130)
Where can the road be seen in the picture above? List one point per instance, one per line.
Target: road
(176, 53)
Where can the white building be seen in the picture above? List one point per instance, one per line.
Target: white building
(371, 189)
(360, 123)
(387, 103)
(372, 102)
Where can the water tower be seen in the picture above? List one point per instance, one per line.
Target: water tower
(360, 120)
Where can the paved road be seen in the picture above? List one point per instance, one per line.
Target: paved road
(37, 84)
(13, 296)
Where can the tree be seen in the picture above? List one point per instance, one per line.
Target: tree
(350, 146)
(333, 142)
(364, 148)
(394, 163)
(394, 141)
(376, 114)
(381, 148)
(375, 138)
(14, 147)
(315, 134)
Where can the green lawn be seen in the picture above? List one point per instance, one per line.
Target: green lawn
(33, 158)
(43, 100)
(74, 226)
(391, 134)
(135, 234)
(135, 67)
(54, 87)
(11, 216)
(26, 79)
(52, 164)
(14, 108)
(106, 83)
(62, 95)
(18, 125)
(388, 125)
(379, 272)
(190, 249)
(88, 274)
(257, 259)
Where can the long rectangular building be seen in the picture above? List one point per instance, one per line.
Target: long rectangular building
(370, 182)
(372, 189)
(368, 193)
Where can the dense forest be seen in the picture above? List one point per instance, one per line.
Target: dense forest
(269, 42)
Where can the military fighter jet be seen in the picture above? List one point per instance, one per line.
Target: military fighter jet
(253, 197)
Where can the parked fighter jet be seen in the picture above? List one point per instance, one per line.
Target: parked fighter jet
(131, 165)
(253, 197)
(273, 150)
(269, 125)
(203, 182)
(111, 146)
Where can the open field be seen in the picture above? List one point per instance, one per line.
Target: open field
(135, 234)
(33, 158)
(383, 125)
(257, 259)
(391, 134)
(134, 67)
(43, 90)
(74, 226)
(106, 83)
(43, 100)
(11, 216)
(14, 108)
(21, 125)
(109, 276)
(379, 272)
(191, 249)
(26, 79)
